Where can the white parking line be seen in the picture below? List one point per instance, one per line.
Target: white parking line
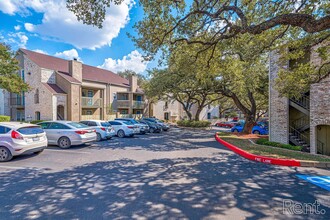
(68, 151)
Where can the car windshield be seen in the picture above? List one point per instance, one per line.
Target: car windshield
(105, 124)
(77, 125)
(127, 122)
(134, 121)
(30, 130)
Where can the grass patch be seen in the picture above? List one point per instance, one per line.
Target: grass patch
(274, 152)
(263, 141)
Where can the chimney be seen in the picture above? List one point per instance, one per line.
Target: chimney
(133, 82)
(75, 69)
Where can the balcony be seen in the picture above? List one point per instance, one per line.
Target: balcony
(139, 104)
(88, 102)
(18, 102)
(90, 117)
(122, 103)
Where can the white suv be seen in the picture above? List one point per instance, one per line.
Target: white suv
(104, 130)
(18, 138)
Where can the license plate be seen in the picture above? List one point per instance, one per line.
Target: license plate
(36, 139)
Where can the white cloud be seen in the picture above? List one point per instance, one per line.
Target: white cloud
(59, 24)
(17, 39)
(17, 27)
(8, 7)
(40, 51)
(133, 61)
(68, 54)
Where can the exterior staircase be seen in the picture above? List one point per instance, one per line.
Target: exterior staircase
(300, 125)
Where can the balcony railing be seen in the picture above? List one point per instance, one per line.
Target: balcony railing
(91, 102)
(19, 101)
(90, 117)
(122, 103)
(138, 104)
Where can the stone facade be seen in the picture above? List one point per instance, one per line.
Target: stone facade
(319, 109)
(278, 106)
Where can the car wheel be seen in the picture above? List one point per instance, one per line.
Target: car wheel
(121, 133)
(5, 154)
(152, 130)
(64, 142)
(236, 130)
(39, 152)
(98, 137)
(256, 132)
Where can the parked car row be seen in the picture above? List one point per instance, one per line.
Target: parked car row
(259, 128)
(18, 138)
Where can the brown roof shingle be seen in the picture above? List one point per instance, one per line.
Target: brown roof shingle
(53, 88)
(88, 72)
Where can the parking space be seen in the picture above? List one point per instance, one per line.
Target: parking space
(175, 174)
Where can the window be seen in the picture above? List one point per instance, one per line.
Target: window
(89, 112)
(92, 123)
(36, 97)
(30, 130)
(123, 111)
(114, 96)
(90, 93)
(55, 125)
(114, 123)
(84, 122)
(44, 125)
(77, 125)
(166, 105)
(4, 130)
(37, 115)
(166, 116)
(105, 124)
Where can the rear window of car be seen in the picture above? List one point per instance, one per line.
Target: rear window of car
(30, 130)
(127, 122)
(105, 124)
(77, 125)
(134, 121)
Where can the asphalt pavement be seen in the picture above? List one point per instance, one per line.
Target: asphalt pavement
(180, 174)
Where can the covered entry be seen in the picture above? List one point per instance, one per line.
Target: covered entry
(60, 112)
(323, 139)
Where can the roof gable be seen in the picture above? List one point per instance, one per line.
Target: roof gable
(88, 72)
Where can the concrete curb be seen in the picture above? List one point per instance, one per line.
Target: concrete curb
(273, 161)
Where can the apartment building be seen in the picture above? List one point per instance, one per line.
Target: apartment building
(69, 90)
(173, 111)
(304, 121)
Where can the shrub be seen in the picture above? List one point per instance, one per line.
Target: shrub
(36, 121)
(194, 124)
(263, 141)
(4, 118)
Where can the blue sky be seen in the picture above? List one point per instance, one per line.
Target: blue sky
(47, 26)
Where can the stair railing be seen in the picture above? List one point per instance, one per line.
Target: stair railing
(303, 101)
(298, 134)
(300, 122)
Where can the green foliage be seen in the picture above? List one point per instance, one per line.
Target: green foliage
(36, 121)
(263, 141)
(194, 124)
(91, 12)
(4, 118)
(9, 79)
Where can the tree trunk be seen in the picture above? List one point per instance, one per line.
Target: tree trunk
(198, 112)
(249, 123)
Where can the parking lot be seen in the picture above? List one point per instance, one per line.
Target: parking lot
(176, 174)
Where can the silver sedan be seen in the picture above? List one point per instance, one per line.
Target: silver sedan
(67, 133)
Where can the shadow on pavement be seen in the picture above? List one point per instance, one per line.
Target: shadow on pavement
(192, 188)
